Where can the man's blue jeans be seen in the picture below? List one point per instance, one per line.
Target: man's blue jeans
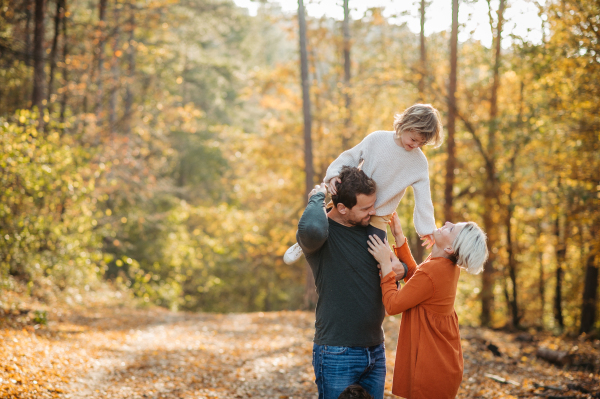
(337, 367)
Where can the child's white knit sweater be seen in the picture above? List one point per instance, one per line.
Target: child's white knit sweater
(393, 169)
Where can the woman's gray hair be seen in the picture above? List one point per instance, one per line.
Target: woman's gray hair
(470, 248)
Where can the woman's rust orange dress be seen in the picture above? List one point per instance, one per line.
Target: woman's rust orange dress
(429, 360)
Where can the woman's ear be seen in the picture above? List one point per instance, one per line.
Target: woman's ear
(449, 250)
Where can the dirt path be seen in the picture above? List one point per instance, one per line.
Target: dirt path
(218, 356)
(124, 353)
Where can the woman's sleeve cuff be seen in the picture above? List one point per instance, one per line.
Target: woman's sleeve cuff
(397, 249)
(391, 276)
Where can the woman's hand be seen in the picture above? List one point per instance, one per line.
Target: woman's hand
(397, 229)
(381, 252)
(331, 185)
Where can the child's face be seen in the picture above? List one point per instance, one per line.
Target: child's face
(409, 140)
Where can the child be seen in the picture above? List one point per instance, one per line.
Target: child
(395, 161)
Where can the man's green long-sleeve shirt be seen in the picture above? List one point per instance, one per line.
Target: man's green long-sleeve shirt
(349, 309)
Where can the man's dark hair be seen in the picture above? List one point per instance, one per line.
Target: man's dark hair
(354, 182)
(355, 392)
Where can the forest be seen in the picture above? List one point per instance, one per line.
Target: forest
(164, 148)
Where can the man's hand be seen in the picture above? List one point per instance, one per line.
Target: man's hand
(398, 268)
(428, 240)
(322, 188)
(332, 183)
(396, 228)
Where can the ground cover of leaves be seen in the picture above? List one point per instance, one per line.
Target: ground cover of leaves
(120, 352)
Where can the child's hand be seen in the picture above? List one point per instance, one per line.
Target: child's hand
(428, 240)
(332, 183)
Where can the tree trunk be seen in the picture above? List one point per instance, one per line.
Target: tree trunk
(28, 32)
(423, 60)
(58, 17)
(131, 70)
(101, 42)
(541, 284)
(38, 57)
(419, 250)
(451, 126)
(512, 266)
(346, 135)
(558, 316)
(112, 117)
(561, 252)
(590, 294)
(65, 69)
(490, 189)
(310, 293)
(512, 302)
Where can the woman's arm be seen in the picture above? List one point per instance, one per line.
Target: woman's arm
(403, 253)
(417, 290)
(401, 249)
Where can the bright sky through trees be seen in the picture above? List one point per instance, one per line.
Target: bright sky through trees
(522, 15)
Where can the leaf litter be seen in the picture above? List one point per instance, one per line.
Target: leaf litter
(121, 352)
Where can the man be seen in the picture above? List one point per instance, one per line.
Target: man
(348, 344)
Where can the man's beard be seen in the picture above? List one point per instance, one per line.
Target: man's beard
(361, 222)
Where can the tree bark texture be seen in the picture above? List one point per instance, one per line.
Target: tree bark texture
(58, 17)
(491, 208)
(115, 72)
(101, 35)
(590, 295)
(346, 135)
(512, 264)
(451, 125)
(423, 59)
(419, 250)
(28, 32)
(65, 69)
(38, 56)
(561, 254)
(541, 284)
(131, 69)
(310, 292)
(308, 156)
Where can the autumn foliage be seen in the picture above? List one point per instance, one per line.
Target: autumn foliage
(158, 147)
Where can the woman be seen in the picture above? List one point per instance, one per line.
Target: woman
(429, 362)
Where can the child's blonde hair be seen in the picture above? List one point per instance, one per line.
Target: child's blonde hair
(423, 119)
